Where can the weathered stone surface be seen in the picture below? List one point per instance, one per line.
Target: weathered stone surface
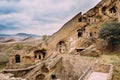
(91, 51)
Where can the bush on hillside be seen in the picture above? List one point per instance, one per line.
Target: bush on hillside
(110, 32)
(18, 47)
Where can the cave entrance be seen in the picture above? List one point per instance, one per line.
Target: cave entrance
(17, 58)
(113, 9)
(104, 9)
(40, 54)
(80, 19)
(53, 76)
(79, 33)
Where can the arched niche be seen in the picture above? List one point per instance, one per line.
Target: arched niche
(113, 9)
(61, 47)
(17, 58)
(104, 9)
(79, 33)
(39, 54)
(80, 19)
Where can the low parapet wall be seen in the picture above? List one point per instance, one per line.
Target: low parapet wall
(105, 68)
(97, 67)
(101, 68)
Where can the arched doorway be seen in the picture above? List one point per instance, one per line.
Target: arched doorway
(80, 19)
(17, 58)
(61, 47)
(53, 76)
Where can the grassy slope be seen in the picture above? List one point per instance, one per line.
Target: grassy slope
(112, 58)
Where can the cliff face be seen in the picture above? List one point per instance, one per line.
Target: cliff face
(85, 27)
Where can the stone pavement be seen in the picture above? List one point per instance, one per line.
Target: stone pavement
(98, 76)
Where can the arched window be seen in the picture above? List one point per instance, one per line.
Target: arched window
(53, 76)
(17, 58)
(80, 19)
(104, 9)
(91, 34)
(39, 56)
(113, 9)
(79, 33)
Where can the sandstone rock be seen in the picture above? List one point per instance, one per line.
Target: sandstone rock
(91, 51)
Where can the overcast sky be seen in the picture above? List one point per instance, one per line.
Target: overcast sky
(39, 16)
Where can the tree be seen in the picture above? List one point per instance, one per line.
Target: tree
(45, 37)
(110, 32)
(18, 46)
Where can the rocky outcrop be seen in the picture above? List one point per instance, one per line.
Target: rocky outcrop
(85, 26)
(91, 51)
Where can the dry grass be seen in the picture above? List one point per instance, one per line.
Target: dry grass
(112, 58)
(2, 66)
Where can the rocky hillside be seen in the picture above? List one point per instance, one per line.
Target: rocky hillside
(18, 37)
(7, 48)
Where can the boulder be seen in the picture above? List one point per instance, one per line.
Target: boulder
(90, 51)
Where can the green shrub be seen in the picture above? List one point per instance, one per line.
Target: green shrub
(45, 37)
(18, 47)
(110, 32)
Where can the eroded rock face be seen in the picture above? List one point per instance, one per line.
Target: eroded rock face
(63, 67)
(85, 26)
(91, 51)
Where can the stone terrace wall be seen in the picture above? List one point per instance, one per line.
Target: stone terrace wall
(101, 68)
(97, 67)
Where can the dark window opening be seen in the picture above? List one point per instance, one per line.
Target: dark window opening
(53, 76)
(39, 56)
(79, 50)
(17, 58)
(90, 34)
(60, 43)
(79, 34)
(35, 56)
(80, 19)
(113, 9)
(103, 10)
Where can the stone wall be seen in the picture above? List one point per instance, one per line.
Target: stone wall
(101, 68)
(97, 67)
